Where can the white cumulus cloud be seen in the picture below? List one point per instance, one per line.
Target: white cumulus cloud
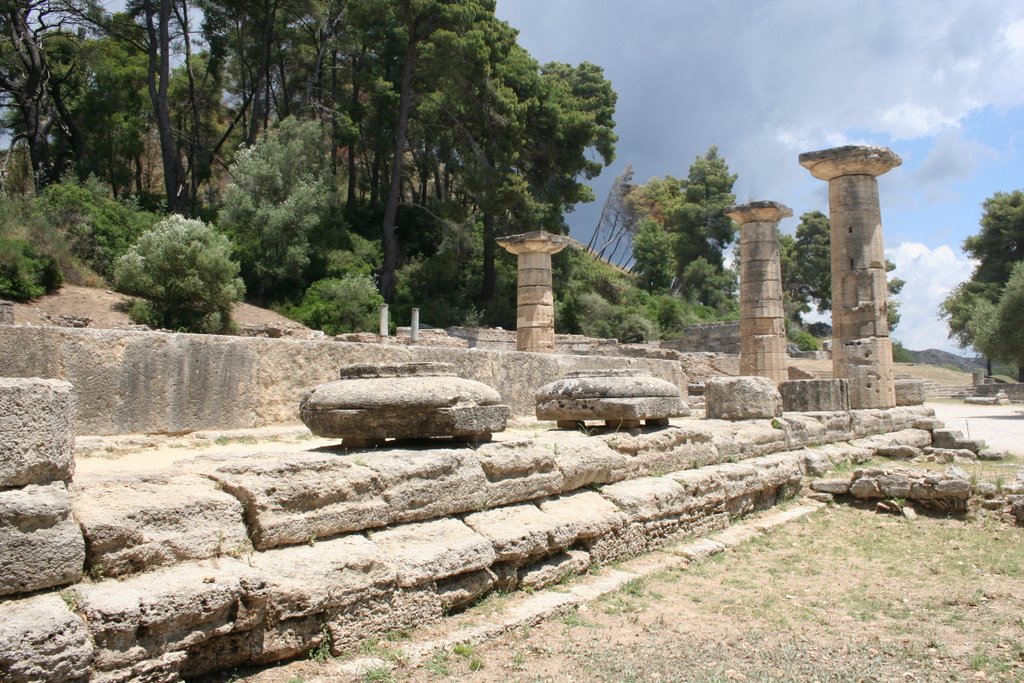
(931, 274)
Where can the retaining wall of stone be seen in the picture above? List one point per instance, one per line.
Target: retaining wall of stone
(233, 560)
(1014, 390)
(128, 382)
(712, 337)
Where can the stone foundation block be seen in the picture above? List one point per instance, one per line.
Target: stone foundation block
(429, 551)
(742, 398)
(132, 525)
(945, 490)
(518, 471)
(647, 499)
(519, 532)
(153, 620)
(813, 395)
(37, 441)
(551, 570)
(40, 544)
(42, 640)
(583, 514)
(910, 392)
(585, 465)
(292, 498)
(419, 485)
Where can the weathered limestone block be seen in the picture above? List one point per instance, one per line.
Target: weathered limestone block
(868, 366)
(37, 441)
(520, 532)
(551, 570)
(591, 462)
(647, 499)
(517, 471)
(904, 438)
(429, 551)
(946, 491)
(42, 640)
(342, 583)
(152, 621)
(132, 524)
(742, 398)
(40, 544)
(1017, 508)
(6, 312)
(813, 395)
(462, 590)
(583, 514)
(804, 430)
(403, 401)
(827, 457)
(613, 396)
(291, 498)
(954, 439)
(838, 487)
(910, 392)
(667, 450)
(418, 485)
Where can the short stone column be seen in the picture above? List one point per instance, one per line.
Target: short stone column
(861, 350)
(535, 315)
(762, 318)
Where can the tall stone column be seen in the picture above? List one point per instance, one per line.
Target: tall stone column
(861, 348)
(762, 318)
(535, 315)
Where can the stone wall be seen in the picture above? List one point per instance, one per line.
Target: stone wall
(128, 382)
(1014, 391)
(715, 337)
(249, 558)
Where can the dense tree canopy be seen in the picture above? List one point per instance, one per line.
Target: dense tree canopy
(979, 312)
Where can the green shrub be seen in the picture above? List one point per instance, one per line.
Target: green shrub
(99, 229)
(24, 274)
(804, 340)
(184, 271)
(336, 305)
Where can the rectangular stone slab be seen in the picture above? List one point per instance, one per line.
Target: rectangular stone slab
(428, 551)
(291, 498)
(136, 523)
(41, 546)
(42, 640)
(37, 441)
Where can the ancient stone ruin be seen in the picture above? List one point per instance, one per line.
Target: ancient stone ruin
(535, 317)
(371, 403)
(762, 318)
(861, 349)
(621, 399)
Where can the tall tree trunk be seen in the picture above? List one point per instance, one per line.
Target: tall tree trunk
(387, 270)
(158, 79)
(1020, 373)
(489, 274)
(350, 199)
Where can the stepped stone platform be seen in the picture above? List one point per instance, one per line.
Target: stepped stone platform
(227, 559)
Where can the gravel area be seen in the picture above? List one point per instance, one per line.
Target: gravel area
(1002, 427)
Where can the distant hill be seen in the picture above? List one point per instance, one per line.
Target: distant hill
(944, 358)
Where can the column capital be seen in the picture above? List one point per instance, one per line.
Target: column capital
(535, 242)
(826, 164)
(758, 212)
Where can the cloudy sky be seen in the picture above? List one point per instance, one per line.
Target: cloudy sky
(941, 82)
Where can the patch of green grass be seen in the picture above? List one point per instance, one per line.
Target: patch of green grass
(438, 665)
(464, 649)
(379, 674)
(322, 651)
(574, 619)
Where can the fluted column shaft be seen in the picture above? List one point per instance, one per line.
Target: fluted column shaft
(762, 317)
(535, 310)
(861, 347)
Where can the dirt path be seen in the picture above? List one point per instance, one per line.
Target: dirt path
(1002, 427)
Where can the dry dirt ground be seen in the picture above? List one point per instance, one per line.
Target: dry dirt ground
(106, 309)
